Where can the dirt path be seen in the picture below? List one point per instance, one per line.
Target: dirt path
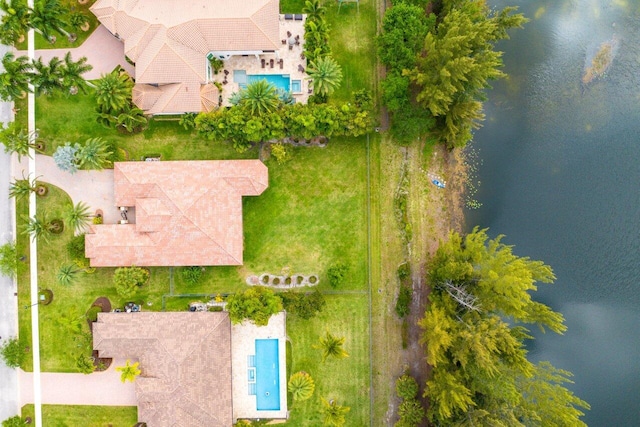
(433, 213)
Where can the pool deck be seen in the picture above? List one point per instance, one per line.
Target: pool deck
(290, 66)
(243, 338)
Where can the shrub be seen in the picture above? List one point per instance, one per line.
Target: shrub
(8, 260)
(12, 353)
(75, 247)
(256, 304)
(305, 306)
(65, 157)
(92, 313)
(406, 387)
(336, 274)
(15, 421)
(281, 153)
(404, 333)
(128, 279)
(301, 386)
(404, 271)
(411, 413)
(192, 275)
(216, 308)
(403, 303)
(97, 220)
(85, 364)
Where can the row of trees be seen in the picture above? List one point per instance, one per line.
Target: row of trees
(261, 117)
(58, 75)
(480, 373)
(440, 64)
(46, 18)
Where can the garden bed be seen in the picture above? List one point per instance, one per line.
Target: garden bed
(283, 282)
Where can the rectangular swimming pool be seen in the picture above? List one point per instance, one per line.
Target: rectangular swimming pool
(280, 81)
(267, 375)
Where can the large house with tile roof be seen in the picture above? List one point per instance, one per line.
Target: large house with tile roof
(177, 213)
(185, 359)
(171, 42)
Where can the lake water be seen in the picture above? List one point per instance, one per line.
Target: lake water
(559, 172)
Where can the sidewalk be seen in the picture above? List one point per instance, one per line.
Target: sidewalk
(98, 389)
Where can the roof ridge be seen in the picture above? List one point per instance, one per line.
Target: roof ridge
(260, 27)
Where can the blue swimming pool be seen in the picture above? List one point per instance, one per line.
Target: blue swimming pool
(267, 375)
(280, 81)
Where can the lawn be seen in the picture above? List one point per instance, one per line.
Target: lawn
(352, 40)
(346, 380)
(85, 416)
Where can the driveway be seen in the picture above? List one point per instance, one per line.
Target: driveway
(98, 388)
(94, 188)
(103, 51)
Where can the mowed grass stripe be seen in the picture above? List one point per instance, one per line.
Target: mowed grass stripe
(345, 380)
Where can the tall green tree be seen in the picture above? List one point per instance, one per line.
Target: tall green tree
(94, 154)
(457, 63)
(332, 346)
(256, 304)
(17, 140)
(480, 374)
(334, 414)
(326, 75)
(47, 78)
(14, 80)
(12, 352)
(259, 98)
(77, 217)
(15, 21)
(47, 17)
(113, 91)
(71, 74)
(301, 386)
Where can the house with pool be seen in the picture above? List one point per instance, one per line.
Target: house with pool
(192, 56)
(197, 369)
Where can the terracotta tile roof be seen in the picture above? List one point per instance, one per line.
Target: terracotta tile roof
(186, 213)
(185, 359)
(169, 43)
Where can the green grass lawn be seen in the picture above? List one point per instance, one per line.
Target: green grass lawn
(346, 380)
(86, 416)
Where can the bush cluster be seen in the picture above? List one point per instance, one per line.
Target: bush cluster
(336, 274)
(238, 126)
(303, 305)
(410, 411)
(192, 275)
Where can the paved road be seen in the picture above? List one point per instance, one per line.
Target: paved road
(8, 301)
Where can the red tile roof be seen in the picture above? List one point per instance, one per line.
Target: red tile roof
(186, 213)
(185, 359)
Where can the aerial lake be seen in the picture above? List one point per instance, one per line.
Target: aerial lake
(558, 172)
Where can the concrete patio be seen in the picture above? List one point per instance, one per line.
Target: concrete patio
(293, 64)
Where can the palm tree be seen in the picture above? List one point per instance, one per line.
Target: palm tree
(129, 372)
(15, 21)
(36, 227)
(331, 346)
(314, 9)
(93, 154)
(113, 91)
(326, 75)
(260, 97)
(77, 216)
(131, 119)
(66, 274)
(301, 386)
(334, 413)
(14, 80)
(20, 188)
(47, 78)
(47, 17)
(71, 321)
(19, 141)
(72, 72)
